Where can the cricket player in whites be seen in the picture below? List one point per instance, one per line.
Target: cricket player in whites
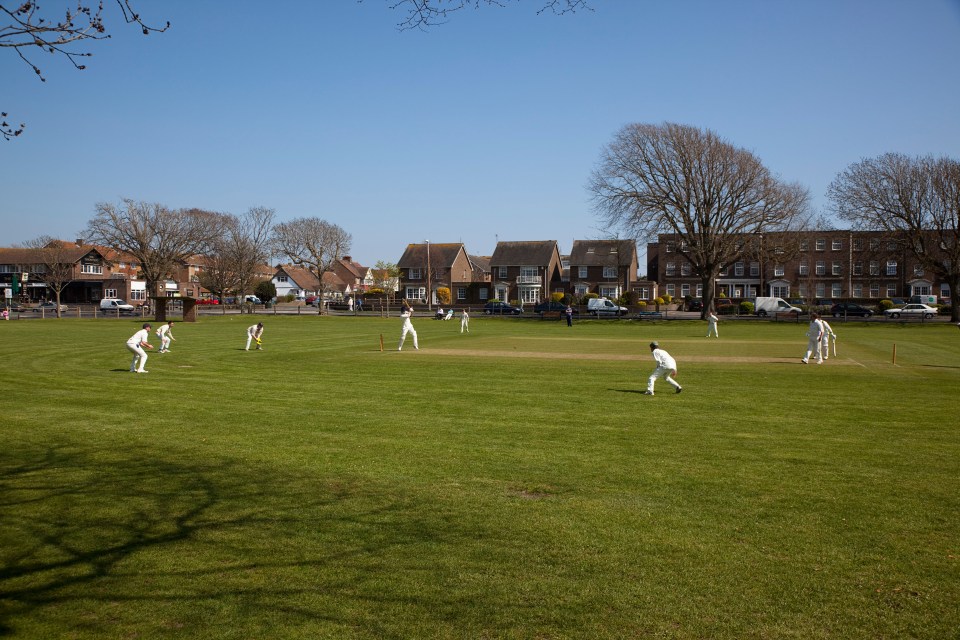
(136, 344)
(666, 369)
(825, 342)
(254, 332)
(166, 335)
(405, 313)
(815, 335)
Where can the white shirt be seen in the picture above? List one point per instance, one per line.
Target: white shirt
(163, 330)
(664, 359)
(255, 331)
(816, 329)
(712, 319)
(139, 337)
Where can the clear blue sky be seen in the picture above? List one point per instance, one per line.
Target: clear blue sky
(486, 127)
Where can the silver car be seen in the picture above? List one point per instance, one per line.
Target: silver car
(915, 310)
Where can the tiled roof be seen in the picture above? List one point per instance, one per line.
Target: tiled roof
(441, 254)
(602, 252)
(533, 252)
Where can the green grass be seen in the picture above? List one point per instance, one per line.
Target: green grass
(482, 487)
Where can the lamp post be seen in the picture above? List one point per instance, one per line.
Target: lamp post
(429, 297)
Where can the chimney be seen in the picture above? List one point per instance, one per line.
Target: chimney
(79, 242)
(347, 259)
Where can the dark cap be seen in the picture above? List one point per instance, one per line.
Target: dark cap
(654, 345)
(146, 325)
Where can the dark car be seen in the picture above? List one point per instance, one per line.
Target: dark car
(551, 306)
(849, 309)
(695, 305)
(496, 307)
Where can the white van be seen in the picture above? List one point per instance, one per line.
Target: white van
(116, 304)
(604, 307)
(252, 300)
(767, 306)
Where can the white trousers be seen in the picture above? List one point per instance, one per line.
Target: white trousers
(249, 340)
(408, 328)
(813, 348)
(464, 325)
(662, 372)
(139, 357)
(712, 329)
(165, 343)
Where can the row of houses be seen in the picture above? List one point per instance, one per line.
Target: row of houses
(828, 264)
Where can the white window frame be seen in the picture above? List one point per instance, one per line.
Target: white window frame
(836, 290)
(821, 268)
(609, 272)
(891, 267)
(836, 269)
(582, 273)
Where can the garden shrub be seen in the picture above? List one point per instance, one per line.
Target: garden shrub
(746, 308)
(443, 295)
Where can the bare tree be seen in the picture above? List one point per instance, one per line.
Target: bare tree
(673, 178)
(158, 237)
(423, 14)
(916, 200)
(244, 246)
(311, 243)
(55, 264)
(26, 26)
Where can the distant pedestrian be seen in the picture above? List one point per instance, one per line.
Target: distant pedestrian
(465, 320)
(359, 305)
(255, 333)
(166, 335)
(712, 321)
(825, 340)
(6, 314)
(406, 313)
(815, 336)
(569, 313)
(136, 344)
(666, 369)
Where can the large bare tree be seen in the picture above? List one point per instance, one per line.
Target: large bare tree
(311, 243)
(159, 238)
(239, 251)
(25, 26)
(916, 200)
(55, 264)
(673, 178)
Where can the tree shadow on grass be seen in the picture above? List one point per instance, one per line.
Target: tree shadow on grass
(104, 543)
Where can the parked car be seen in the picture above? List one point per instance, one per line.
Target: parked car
(312, 300)
(497, 307)
(545, 307)
(850, 309)
(695, 305)
(911, 311)
(49, 305)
